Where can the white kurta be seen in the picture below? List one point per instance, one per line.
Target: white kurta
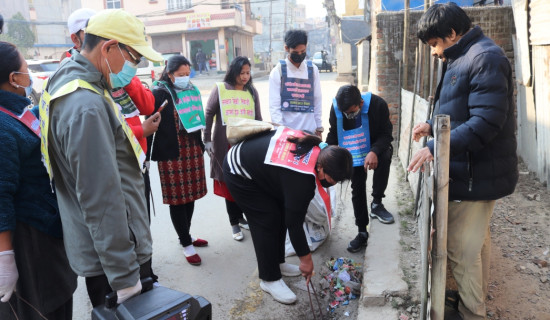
(295, 120)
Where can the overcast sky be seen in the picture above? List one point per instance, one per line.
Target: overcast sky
(314, 8)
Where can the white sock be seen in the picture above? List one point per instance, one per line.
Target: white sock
(189, 250)
(193, 239)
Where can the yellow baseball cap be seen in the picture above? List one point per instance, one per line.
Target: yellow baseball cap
(117, 24)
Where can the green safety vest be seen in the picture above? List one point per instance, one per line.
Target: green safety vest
(188, 104)
(235, 103)
(72, 86)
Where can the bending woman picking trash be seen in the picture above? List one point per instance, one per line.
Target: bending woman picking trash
(274, 188)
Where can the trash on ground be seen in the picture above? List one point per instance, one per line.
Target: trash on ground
(342, 282)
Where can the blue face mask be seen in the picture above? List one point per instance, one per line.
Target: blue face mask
(28, 89)
(124, 77)
(181, 82)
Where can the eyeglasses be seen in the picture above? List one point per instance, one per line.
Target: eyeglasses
(135, 60)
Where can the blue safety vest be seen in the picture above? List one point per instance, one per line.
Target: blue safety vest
(357, 140)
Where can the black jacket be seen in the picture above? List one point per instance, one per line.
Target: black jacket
(476, 91)
(380, 127)
(166, 138)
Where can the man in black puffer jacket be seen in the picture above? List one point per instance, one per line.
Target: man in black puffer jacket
(476, 91)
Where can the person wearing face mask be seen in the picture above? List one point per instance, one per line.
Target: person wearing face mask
(361, 123)
(76, 23)
(238, 98)
(96, 161)
(274, 188)
(133, 99)
(295, 98)
(178, 149)
(35, 276)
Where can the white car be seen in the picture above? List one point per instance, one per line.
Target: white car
(40, 70)
(323, 61)
(148, 72)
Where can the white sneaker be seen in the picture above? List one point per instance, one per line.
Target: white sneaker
(290, 270)
(279, 291)
(244, 224)
(238, 236)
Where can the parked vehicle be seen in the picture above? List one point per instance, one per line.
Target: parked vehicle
(148, 72)
(323, 61)
(40, 70)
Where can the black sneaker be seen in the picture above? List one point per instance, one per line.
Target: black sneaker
(359, 242)
(379, 212)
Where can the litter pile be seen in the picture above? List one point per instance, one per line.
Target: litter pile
(342, 283)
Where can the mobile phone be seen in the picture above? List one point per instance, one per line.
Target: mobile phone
(162, 106)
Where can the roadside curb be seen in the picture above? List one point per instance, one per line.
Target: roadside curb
(382, 273)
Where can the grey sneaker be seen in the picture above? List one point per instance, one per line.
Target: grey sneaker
(379, 212)
(359, 242)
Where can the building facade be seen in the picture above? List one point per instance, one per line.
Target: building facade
(277, 16)
(47, 19)
(222, 29)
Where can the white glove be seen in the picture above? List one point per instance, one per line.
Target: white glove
(127, 293)
(208, 147)
(8, 274)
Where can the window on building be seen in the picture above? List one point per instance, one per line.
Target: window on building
(113, 4)
(227, 4)
(179, 4)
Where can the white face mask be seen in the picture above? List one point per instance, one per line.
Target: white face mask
(181, 82)
(28, 89)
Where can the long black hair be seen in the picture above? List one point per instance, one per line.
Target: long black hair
(172, 65)
(335, 161)
(10, 62)
(234, 71)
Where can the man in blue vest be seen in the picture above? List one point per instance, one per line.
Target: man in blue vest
(361, 124)
(295, 99)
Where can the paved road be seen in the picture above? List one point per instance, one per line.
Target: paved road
(228, 276)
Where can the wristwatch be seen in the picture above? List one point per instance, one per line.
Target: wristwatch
(320, 129)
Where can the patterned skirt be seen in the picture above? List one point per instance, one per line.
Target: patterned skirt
(183, 179)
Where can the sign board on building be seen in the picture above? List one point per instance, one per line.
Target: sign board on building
(196, 21)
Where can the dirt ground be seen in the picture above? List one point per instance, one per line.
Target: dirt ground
(519, 286)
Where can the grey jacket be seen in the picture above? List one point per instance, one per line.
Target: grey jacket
(100, 188)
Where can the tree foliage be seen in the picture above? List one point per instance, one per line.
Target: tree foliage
(19, 32)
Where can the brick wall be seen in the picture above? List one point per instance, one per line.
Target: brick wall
(387, 49)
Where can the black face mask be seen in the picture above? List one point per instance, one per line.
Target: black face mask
(325, 183)
(298, 58)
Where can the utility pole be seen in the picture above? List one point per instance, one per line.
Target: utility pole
(270, 29)
(286, 9)
(405, 45)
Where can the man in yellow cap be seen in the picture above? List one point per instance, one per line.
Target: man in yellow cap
(95, 160)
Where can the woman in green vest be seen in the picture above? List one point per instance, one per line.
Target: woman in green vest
(234, 97)
(178, 149)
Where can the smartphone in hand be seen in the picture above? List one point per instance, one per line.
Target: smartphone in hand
(162, 106)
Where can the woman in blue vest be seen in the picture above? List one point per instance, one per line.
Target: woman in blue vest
(32, 255)
(177, 147)
(275, 196)
(234, 97)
